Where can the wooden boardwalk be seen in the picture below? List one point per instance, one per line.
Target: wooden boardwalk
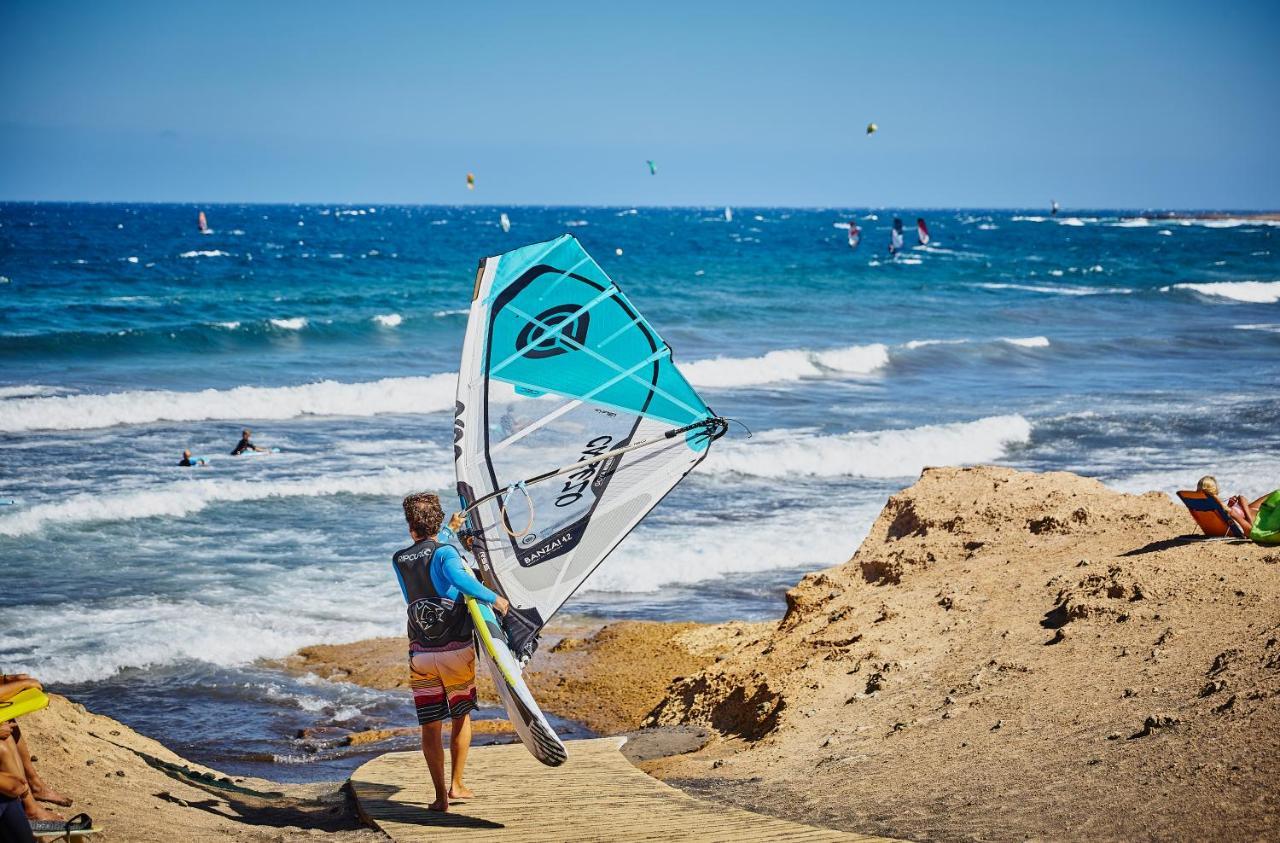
(596, 795)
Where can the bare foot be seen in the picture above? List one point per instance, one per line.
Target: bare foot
(53, 797)
(461, 792)
(38, 813)
(439, 805)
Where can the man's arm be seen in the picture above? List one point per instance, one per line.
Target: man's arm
(461, 578)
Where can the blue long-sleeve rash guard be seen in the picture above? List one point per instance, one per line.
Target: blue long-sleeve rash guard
(451, 578)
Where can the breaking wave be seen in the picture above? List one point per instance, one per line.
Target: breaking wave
(785, 365)
(430, 394)
(776, 454)
(1253, 292)
(176, 500)
(296, 323)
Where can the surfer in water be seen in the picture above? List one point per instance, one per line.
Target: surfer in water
(187, 460)
(245, 445)
(442, 654)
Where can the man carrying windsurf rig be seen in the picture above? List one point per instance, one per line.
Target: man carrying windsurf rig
(442, 655)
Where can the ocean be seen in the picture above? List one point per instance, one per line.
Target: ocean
(1142, 352)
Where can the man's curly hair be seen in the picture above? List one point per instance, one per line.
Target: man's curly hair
(422, 511)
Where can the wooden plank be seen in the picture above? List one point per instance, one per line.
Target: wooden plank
(596, 795)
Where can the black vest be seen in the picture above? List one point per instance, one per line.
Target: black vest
(434, 620)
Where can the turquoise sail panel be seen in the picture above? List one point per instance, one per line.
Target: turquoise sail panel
(557, 324)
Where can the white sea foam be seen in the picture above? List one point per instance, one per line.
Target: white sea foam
(434, 393)
(914, 344)
(1232, 222)
(1269, 327)
(1254, 292)
(654, 557)
(785, 365)
(1135, 222)
(1030, 219)
(457, 311)
(1073, 221)
(1027, 342)
(284, 612)
(388, 320)
(986, 226)
(183, 498)
(296, 323)
(1061, 290)
(1164, 232)
(576, 223)
(206, 253)
(780, 454)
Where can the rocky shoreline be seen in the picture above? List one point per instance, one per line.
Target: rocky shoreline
(1007, 655)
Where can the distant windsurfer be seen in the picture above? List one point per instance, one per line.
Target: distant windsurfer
(1053, 207)
(855, 234)
(245, 445)
(922, 231)
(204, 224)
(895, 237)
(442, 654)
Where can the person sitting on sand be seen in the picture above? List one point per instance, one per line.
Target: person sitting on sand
(15, 759)
(442, 656)
(244, 444)
(14, 825)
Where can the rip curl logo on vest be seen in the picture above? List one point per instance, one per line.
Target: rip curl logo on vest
(547, 335)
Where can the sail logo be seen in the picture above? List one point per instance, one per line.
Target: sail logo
(548, 335)
(577, 482)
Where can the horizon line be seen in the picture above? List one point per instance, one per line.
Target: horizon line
(360, 204)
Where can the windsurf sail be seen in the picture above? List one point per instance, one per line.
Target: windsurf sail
(572, 422)
(728, 214)
(204, 224)
(855, 234)
(505, 222)
(895, 237)
(922, 231)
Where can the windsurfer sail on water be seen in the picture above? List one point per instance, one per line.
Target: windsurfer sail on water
(895, 237)
(204, 224)
(855, 234)
(922, 231)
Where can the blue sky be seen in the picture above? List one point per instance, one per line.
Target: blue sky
(1139, 105)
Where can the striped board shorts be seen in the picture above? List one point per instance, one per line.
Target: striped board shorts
(443, 680)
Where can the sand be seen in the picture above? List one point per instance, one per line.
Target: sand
(1008, 655)
(137, 790)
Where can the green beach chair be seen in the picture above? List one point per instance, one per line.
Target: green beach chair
(1266, 526)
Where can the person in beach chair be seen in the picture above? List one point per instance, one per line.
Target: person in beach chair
(442, 654)
(1209, 512)
(1260, 519)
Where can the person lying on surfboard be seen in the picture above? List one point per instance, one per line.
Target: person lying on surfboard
(442, 653)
